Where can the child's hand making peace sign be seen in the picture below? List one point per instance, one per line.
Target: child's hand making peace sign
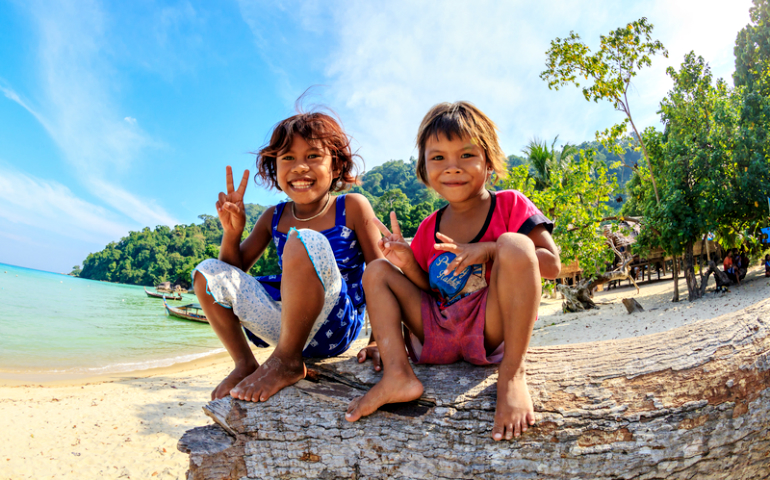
(467, 254)
(230, 207)
(393, 246)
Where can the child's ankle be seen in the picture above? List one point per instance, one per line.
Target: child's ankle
(245, 365)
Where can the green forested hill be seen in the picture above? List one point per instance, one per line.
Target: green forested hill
(149, 257)
(152, 256)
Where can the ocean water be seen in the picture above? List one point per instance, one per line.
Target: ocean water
(57, 324)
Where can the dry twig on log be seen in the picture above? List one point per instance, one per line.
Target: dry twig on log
(693, 402)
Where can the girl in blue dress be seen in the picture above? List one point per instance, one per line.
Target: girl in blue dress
(316, 307)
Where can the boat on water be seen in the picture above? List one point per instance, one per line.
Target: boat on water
(169, 296)
(188, 312)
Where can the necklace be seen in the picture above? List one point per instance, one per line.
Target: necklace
(294, 211)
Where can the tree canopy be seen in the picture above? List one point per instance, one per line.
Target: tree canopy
(152, 256)
(609, 71)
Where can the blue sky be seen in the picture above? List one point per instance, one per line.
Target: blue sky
(120, 115)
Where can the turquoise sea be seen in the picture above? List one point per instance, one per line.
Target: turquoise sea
(58, 324)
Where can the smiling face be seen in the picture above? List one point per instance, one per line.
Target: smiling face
(457, 169)
(304, 172)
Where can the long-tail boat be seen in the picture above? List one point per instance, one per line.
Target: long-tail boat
(188, 312)
(169, 296)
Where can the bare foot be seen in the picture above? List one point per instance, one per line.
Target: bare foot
(514, 412)
(235, 377)
(395, 387)
(276, 373)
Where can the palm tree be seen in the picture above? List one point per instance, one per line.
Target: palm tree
(543, 160)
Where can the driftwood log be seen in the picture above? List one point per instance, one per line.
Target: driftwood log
(632, 305)
(580, 296)
(690, 403)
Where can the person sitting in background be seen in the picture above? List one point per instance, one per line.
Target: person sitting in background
(729, 267)
(767, 265)
(743, 268)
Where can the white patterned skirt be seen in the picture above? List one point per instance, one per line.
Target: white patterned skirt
(256, 309)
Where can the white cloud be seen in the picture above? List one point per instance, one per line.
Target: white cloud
(51, 206)
(79, 108)
(143, 212)
(388, 62)
(708, 28)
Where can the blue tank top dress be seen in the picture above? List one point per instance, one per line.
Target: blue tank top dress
(347, 317)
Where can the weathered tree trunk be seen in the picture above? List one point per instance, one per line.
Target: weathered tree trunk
(721, 278)
(693, 290)
(675, 262)
(578, 297)
(693, 402)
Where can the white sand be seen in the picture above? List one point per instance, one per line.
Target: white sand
(613, 321)
(128, 427)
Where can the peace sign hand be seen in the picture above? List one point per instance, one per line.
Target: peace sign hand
(230, 207)
(393, 246)
(467, 254)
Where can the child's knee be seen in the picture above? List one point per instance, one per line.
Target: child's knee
(515, 250)
(294, 252)
(199, 283)
(376, 272)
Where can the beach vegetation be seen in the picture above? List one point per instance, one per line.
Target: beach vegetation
(713, 156)
(165, 254)
(606, 75)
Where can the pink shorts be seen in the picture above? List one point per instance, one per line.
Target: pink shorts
(453, 334)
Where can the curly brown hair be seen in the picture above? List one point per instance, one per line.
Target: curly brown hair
(461, 119)
(318, 129)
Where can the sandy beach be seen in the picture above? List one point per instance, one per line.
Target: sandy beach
(127, 426)
(110, 427)
(612, 321)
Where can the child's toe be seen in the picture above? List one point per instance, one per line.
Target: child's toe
(352, 414)
(497, 431)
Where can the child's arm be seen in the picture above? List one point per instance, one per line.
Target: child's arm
(232, 216)
(547, 252)
(399, 253)
(468, 254)
(256, 243)
(358, 213)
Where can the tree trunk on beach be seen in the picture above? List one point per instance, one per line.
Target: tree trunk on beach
(693, 289)
(675, 262)
(693, 402)
(721, 278)
(579, 297)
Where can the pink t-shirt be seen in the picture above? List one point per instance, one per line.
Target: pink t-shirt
(510, 211)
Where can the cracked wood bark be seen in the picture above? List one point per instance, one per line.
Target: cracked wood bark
(693, 402)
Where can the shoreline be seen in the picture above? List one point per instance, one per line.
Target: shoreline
(31, 379)
(552, 327)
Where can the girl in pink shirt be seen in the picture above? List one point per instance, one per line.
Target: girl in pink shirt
(468, 288)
